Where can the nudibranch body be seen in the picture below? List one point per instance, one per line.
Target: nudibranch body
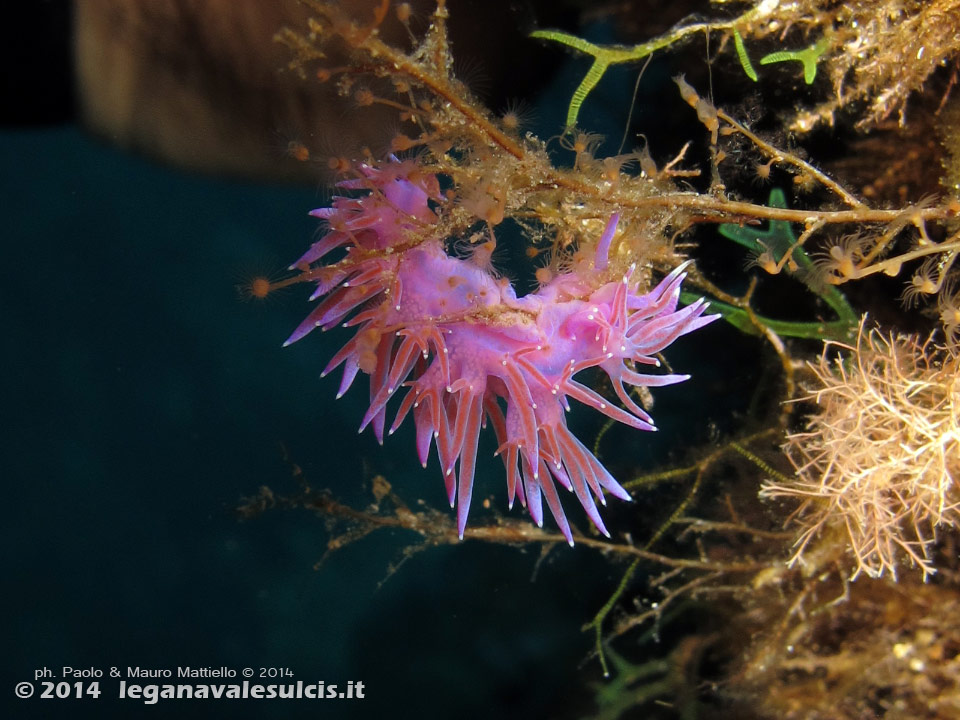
(463, 350)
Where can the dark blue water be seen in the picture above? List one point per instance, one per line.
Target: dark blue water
(141, 400)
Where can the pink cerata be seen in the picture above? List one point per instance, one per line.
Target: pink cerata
(464, 350)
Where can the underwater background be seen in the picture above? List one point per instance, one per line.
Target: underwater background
(145, 398)
(182, 491)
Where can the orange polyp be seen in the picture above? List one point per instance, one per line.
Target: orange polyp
(516, 115)
(363, 97)
(259, 287)
(543, 275)
(263, 285)
(763, 170)
(339, 165)
(401, 143)
(298, 151)
(482, 255)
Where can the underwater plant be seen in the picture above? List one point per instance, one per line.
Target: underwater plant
(876, 52)
(880, 458)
